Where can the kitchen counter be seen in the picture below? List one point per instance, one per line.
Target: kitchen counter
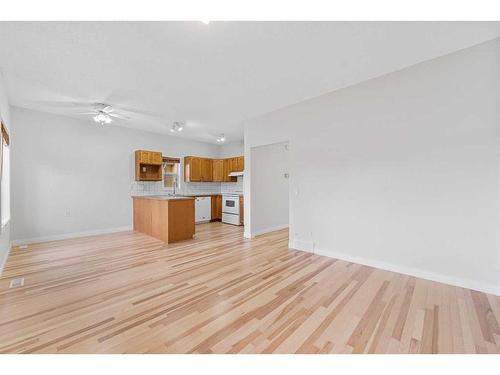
(164, 197)
(167, 218)
(201, 195)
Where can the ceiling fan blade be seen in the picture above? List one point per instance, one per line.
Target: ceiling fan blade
(62, 104)
(134, 111)
(86, 113)
(121, 117)
(108, 109)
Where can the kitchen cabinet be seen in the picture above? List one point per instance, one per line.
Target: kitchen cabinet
(206, 170)
(218, 170)
(234, 165)
(148, 165)
(149, 157)
(192, 169)
(197, 169)
(216, 207)
(167, 219)
(228, 168)
(240, 163)
(242, 216)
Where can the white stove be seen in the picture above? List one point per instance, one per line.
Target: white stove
(231, 209)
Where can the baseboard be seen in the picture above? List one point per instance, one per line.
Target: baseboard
(422, 274)
(268, 230)
(66, 236)
(301, 245)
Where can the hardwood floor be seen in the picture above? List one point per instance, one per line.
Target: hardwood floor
(220, 293)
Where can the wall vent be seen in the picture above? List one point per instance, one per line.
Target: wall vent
(17, 282)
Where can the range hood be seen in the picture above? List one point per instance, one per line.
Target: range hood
(235, 174)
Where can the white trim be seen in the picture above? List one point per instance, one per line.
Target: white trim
(66, 236)
(268, 230)
(451, 280)
(4, 260)
(301, 245)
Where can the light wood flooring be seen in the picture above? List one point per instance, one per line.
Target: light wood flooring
(220, 293)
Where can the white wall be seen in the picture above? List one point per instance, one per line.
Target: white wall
(62, 165)
(5, 231)
(270, 195)
(401, 172)
(231, 149)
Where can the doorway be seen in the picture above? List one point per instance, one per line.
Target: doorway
(270, 188)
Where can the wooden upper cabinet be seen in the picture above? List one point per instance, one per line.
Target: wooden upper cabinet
(156, 158)
(148, 165)
(192, 169)
(228, 165)
(198, 169)
(218, 170)
(149, 157)
(234, 164)
(206, 170)
(240, 163)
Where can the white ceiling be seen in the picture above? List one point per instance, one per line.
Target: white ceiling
(212, 76)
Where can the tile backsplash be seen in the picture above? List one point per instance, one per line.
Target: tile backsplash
(187, 188)
(232, 187)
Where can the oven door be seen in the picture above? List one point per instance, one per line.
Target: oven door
(231, 205)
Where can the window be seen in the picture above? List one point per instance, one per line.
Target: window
(171, 169)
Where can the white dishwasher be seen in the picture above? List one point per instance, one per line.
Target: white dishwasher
(202, 209)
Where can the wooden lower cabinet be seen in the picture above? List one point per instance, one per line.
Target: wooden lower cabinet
(216, 207)
(168, 220)
(242, 212)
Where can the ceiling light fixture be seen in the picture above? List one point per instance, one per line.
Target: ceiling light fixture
(221, 138)
(177, 127)
(102, 118)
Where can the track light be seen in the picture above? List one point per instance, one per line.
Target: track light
(221, 138)
(177, 127)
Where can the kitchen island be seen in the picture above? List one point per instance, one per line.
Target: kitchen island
(167, 218)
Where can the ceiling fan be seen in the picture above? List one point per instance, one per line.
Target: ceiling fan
(101, 113)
